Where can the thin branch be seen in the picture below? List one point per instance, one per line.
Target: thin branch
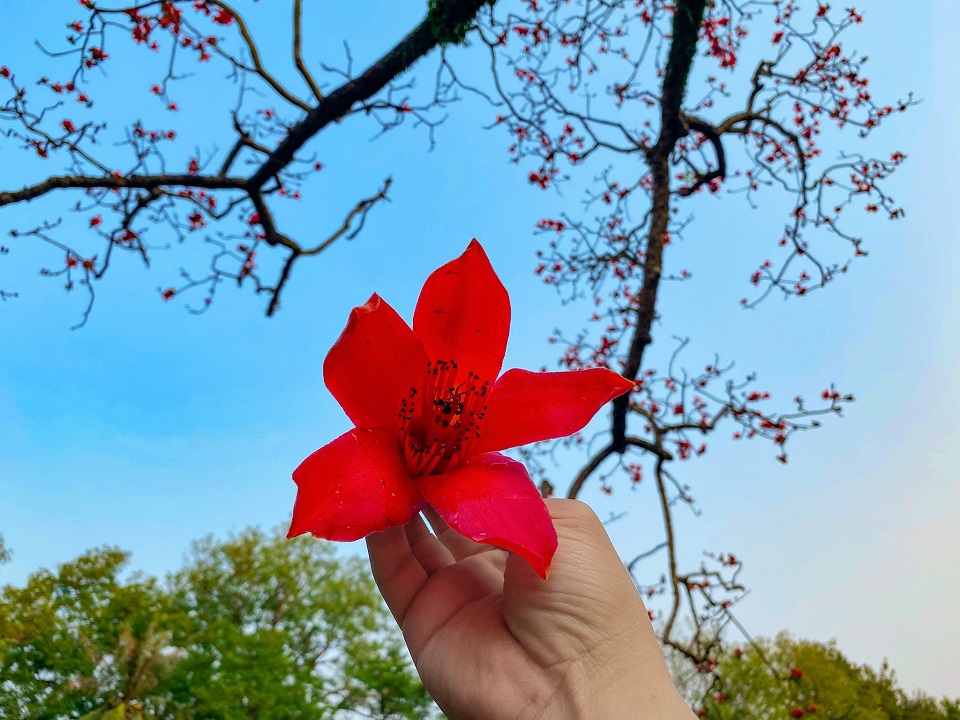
(110, 182)
(606, 452)
(335, 105)
(297, 50)
(361, 210)
(710, 132)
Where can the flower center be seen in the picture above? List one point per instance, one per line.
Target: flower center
(440, 421)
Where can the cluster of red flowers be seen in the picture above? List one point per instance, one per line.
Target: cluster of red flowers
(722, 39)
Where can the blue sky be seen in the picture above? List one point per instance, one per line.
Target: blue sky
(151, 427)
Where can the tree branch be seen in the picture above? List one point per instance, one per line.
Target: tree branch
(686, 27)
(606, 452)
(415, 45)
(110, 182)
(710, 132)
(297, 50)
(361, 210)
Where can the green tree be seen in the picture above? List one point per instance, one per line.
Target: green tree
(277, 628)
(252, 627)
(787, 677)
(80, 640)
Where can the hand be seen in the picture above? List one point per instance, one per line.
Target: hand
(492, 641)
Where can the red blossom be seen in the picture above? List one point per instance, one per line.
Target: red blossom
(431, 432)
(4, 71)
(68, 126)
(223, 17)
(95, 221)
(168, 293)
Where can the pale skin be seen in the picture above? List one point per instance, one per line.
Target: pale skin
(493, 641)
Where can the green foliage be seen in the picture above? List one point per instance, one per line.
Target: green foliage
(255, 626)
(825, 684)
(63, 635)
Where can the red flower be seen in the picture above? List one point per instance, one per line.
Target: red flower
(430, 416)
(68, 126)
(168, 293)
(797, 712)
(95, 221)
(796, 672)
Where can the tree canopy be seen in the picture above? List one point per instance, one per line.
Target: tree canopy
(785, 677)
(252, 626)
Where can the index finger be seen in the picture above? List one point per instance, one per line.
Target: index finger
(396, 570)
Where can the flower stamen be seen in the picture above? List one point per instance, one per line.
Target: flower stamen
(438, 431)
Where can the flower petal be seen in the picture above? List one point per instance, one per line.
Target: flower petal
(463, 314)
(374, 364)
(526, 407)
(491, 499)
(354, 486)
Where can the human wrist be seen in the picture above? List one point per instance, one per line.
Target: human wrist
(625, 685)
(632, 697)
